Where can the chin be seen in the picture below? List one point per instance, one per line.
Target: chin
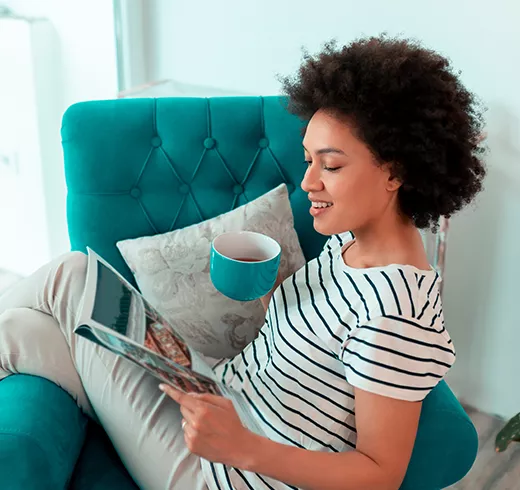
(328, 229)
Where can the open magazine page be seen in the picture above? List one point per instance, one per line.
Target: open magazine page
(111, 301)
(114, 315)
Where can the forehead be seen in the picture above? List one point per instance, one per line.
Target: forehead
(325, 130)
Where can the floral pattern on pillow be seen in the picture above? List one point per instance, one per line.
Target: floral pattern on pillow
(172, 272)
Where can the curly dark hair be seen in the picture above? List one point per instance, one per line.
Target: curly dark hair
(409, 107)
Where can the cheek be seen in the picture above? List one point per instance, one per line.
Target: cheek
(360, 195)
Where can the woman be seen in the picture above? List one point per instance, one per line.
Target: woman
(352, 343)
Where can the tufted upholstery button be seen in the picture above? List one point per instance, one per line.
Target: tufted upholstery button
(209, 143)
(263, 143)
(290, 188)
(156, 142)
(135, 193)
(184, 189)
(238, 189)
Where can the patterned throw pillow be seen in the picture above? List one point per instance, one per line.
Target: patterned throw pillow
(172, 271)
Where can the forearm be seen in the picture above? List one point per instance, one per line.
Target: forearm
(314, 470)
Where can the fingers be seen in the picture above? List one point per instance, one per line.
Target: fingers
(189, 415)
(183, 399)
(193, 400)
(216, 400)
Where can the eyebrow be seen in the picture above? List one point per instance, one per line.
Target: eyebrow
(329, 149)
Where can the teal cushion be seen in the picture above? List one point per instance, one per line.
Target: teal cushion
(42, 431)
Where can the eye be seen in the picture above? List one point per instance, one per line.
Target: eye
(331, 169)
(308, 162)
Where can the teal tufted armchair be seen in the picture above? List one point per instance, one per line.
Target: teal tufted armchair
(137, 167)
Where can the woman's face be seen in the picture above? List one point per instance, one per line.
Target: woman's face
(343, 175)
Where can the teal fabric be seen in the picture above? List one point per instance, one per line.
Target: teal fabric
(446, 444)
(41, 434)
(99, 467)
(137, 167)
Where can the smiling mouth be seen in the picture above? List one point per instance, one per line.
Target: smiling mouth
(319, 205)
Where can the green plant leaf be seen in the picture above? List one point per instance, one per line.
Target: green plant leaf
(510, 433)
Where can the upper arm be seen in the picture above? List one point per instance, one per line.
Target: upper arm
(393, 363)
(386, 431)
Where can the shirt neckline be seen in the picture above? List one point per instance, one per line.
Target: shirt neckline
(379, 268)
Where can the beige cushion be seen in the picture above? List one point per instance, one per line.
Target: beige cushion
(172, 272)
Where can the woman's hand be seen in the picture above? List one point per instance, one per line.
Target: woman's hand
(212, 428)
(265, 300)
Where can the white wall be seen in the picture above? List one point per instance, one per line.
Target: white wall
(23, 221)
(238, 45)
(86, 68)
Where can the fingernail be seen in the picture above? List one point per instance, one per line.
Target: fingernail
(162, 387)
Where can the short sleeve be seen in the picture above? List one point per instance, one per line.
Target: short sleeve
(397, 357)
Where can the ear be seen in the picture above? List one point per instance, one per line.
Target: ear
(393, 182)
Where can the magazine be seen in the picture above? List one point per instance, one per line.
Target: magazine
(115, 315)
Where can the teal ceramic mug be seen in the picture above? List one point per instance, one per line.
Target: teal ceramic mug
(244, 264)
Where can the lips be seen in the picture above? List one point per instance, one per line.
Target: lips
(320, 207)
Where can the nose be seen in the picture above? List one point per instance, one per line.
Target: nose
(311, 181)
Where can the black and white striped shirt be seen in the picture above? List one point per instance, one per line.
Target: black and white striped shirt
(330, 328)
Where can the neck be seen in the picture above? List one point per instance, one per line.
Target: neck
(394, 239)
